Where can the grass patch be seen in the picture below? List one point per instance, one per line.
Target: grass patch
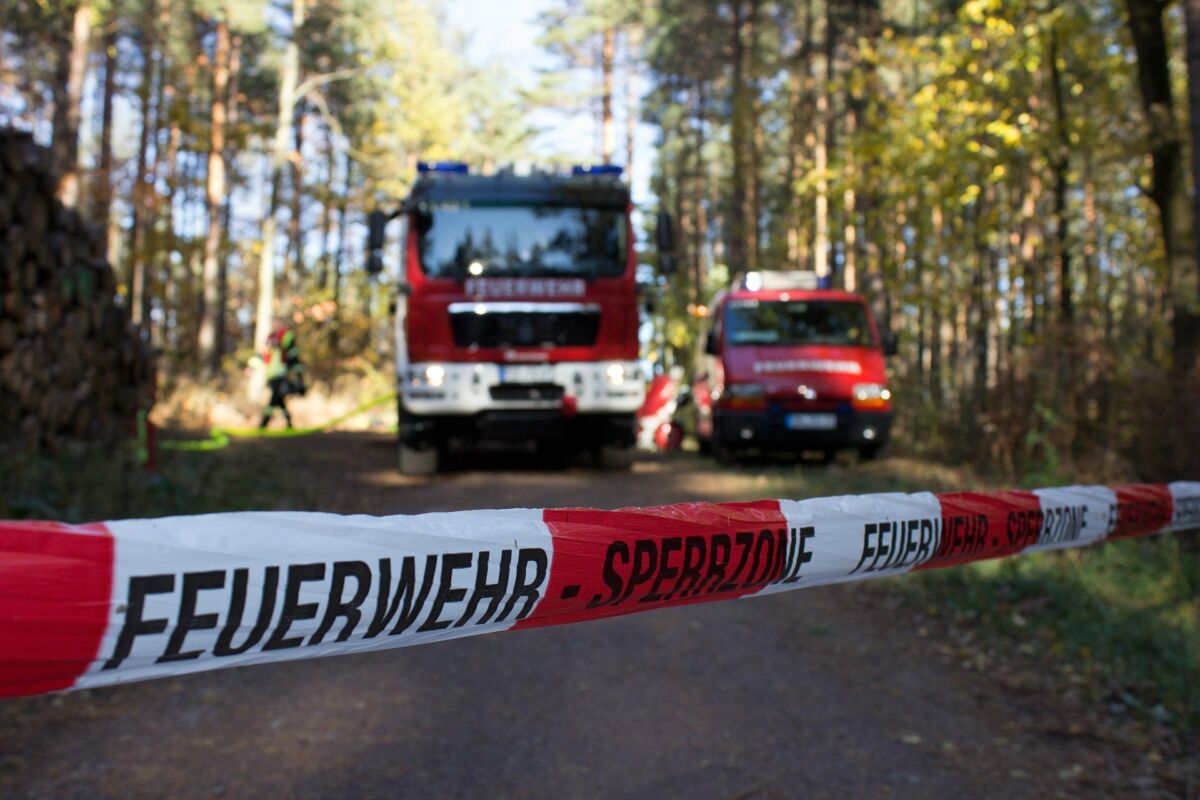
(1123, 615)
(89, 484)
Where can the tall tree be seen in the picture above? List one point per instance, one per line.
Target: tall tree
(1168, 186)
(73, 52)
(289, 80)
(210, 323)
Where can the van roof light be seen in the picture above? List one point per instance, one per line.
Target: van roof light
(778, 280)
(452, 167)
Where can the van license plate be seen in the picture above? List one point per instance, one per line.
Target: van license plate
(812, 422)
(526, 373)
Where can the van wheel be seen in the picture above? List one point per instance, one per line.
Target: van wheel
(723, 453)
(419, 462)
(615, 458)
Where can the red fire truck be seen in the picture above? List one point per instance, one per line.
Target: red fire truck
(790, 365)
(516, 313)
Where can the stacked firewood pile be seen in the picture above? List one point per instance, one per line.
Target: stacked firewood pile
(72, 367)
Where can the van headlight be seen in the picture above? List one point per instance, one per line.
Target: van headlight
(871, 395)
(745, 395)
(615, 374)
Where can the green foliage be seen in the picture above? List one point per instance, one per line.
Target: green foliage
(88, 485)
(1124, 615)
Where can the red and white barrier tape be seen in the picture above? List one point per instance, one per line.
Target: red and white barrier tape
(92, 605)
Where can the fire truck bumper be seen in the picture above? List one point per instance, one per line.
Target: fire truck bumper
(581, 403)
(580, 431)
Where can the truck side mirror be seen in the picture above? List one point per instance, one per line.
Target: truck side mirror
(376, 235)
(666, 242)
(891, 346)
(710, 344)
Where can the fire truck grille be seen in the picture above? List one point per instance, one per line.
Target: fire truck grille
(525, 328)
(527, 391)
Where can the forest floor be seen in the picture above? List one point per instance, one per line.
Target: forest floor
(863, 690)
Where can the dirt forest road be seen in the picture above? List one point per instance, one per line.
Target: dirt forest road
(830, 692)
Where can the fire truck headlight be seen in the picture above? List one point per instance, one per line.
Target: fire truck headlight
(616, 374)
(435, 375)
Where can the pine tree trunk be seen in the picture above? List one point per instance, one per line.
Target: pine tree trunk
(849, 203)
(1168, 187)
(339, 255)
(294, 269)
(75, 51)
(235, 70)
(1060, 164)
(283, 126)
(740, 142)
(139, 300)
(327, 211)
(608, 55)
(700, 185)
(633, 42)
(822, 127)
(102, 190)
(210, 320)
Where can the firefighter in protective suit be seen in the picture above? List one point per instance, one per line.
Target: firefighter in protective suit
(285, 373)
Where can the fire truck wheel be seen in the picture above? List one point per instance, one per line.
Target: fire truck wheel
(615, 458)
(418, 462)
(870, 452)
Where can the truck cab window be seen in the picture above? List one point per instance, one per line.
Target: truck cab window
(526, 241)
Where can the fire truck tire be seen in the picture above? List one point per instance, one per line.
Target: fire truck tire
(615, 458)
(871, 452)
(418, 462)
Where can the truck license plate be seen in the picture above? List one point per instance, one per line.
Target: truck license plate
(812, 422)
(526, 373)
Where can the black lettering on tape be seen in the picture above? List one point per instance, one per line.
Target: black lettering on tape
(744, 540)
(292, 609)
(492, 592)
(446, 592)
(193, 583)
(870, 531)
(798, 553)
(407, 601)
(665, 571)
(529, 589)
(645, 562)
(237, 607)
(339, 607)
(694, 552)
(612, 578)
(718, 559)
(135, 626)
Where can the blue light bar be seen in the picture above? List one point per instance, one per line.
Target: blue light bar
(598, 169)
(452, 167)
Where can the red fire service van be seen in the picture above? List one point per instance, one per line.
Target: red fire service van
(790, 366)
(516, 312)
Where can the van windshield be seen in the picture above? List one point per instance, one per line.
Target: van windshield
(797, 322)
(522, 241)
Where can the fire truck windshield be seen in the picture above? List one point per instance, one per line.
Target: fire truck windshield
(535, 241)
(796, 322)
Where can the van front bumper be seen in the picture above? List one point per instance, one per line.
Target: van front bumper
(771, 429)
